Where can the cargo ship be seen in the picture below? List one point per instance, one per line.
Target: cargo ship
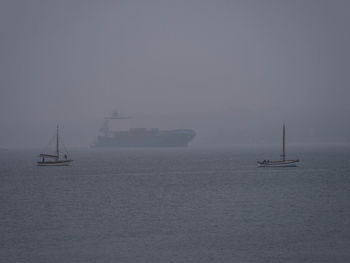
(141, 137)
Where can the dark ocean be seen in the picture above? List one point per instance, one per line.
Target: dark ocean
(176, 205)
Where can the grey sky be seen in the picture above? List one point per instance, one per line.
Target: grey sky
(75, 61)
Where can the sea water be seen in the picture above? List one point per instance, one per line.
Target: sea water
(176, 205)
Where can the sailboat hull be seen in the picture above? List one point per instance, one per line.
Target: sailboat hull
(55, 163)
(285, 163)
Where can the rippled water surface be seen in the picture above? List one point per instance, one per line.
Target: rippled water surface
(176, 205)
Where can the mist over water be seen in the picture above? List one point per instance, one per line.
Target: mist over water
(229, 69)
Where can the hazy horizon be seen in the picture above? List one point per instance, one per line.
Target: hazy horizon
(232, 70)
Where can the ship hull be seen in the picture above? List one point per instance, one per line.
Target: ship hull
(175, 138)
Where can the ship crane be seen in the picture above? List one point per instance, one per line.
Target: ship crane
(115, 116)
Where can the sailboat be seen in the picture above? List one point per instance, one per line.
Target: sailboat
(54, 159)
(283, 162)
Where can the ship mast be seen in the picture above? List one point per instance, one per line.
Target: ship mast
(57, 145)
(284, 143)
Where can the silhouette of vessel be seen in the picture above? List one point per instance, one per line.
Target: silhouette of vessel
(141, 137)
(283, 162)
(56, 158)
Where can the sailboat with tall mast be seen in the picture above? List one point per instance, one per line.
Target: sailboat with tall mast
(283, 162)
(54, 159)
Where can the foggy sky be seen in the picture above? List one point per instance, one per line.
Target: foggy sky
(220, 67)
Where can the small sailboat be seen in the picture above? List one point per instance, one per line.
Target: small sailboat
(283, 162)
(54, 159)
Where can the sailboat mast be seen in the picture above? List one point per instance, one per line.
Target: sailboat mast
(284, 143)
(57, 145)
